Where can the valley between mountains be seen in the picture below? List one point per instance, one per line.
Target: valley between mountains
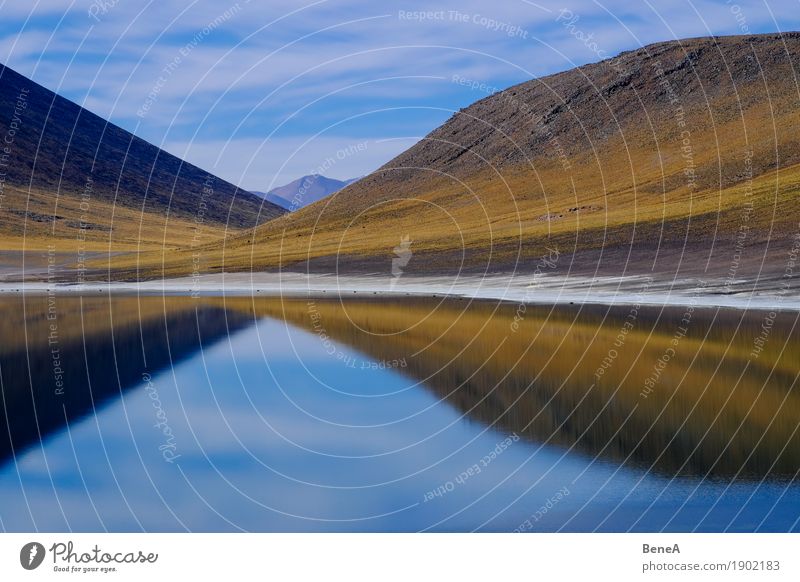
(679, 161)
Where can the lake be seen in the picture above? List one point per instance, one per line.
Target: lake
(169, 413)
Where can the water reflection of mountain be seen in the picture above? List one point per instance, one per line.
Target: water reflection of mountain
(714, 409)
(91, 350)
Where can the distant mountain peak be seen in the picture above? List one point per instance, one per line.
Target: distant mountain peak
(304, 191)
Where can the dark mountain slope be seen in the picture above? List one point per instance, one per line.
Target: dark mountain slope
(56, 146)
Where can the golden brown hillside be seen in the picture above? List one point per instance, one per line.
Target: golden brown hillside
(676, 157)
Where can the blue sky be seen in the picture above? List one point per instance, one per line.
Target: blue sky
(261, 93)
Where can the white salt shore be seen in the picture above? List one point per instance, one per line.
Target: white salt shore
(514, 288)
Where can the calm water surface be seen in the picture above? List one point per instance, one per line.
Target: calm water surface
(173, 414)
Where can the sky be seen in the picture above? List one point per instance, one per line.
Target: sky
(263, 92)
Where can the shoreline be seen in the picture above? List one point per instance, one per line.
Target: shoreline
(543, 289)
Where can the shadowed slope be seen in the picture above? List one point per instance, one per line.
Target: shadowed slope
(61, 164)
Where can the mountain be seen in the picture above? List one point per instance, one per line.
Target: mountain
(678, 158)
(277, 200)
(62, 165)
(304, 191)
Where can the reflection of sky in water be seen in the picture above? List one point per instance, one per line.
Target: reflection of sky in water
(264, 445)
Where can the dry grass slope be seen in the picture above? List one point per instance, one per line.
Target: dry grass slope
(670, 158)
